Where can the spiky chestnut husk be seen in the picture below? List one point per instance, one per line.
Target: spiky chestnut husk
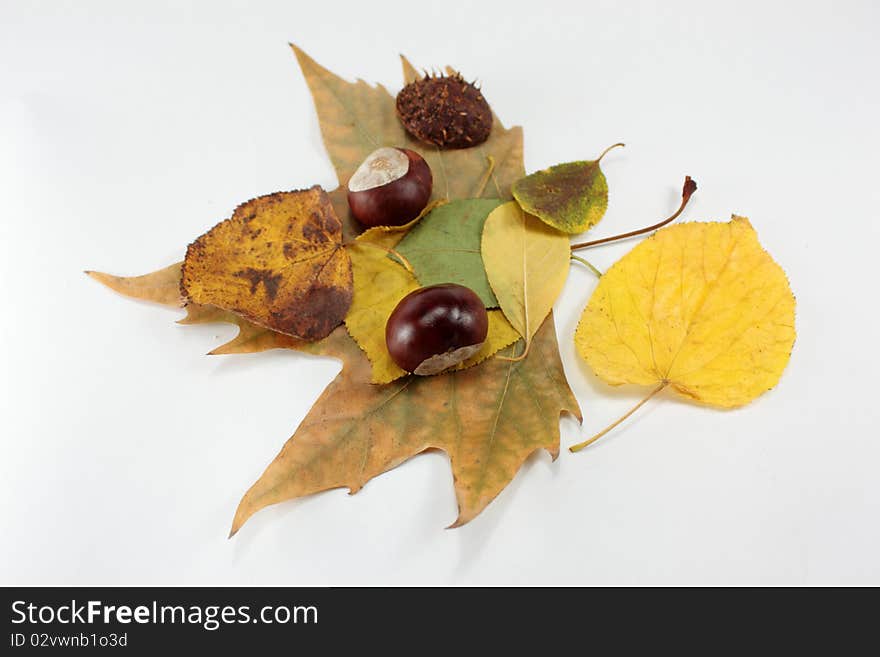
(445, 110)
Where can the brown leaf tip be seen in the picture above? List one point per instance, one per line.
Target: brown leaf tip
(690, 186)
(445, 110)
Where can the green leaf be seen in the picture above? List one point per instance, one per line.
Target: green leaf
(571, 197)
(444, 247)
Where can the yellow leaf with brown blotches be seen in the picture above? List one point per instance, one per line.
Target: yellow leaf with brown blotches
(700, 307)
(278, 262)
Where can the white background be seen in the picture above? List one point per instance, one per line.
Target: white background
(128, 129)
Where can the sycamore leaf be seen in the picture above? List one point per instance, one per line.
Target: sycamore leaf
(162, 286)
(488, 419)
(379, 285)
(445, 246)
(357, 118)
(278, 262)
(572, 197)
(526, 263)
(700, 307)
(250, 339)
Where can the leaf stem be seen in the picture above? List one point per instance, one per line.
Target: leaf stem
(490, 169)
(588, 264)
(392, 252)
(690, 186)
(516, 359)
(590, 441)
(599, 159)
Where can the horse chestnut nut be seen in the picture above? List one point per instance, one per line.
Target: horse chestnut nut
(435, 328)
(390, 187)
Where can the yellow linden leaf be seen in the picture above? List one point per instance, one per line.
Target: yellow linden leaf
(379, 285)
(699, 307)
(526, 263)
(278, 262)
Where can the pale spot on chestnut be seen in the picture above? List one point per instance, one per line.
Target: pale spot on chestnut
(390, 187)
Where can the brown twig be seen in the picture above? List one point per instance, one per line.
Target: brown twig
(690, 186)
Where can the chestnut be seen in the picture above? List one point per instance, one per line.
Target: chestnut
(436, 327)
(390, 187)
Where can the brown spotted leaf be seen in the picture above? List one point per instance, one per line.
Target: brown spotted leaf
(571, 197)
(278, 262)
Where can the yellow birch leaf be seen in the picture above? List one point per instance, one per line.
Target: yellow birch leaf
(379, 285)
(699, 307)
(526, 263)
(278, 262)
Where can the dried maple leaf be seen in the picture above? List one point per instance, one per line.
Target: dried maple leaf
(162, 286)
(357, 118)
(572, 196)
(526, 263)
(699, 307)
(488, 419)
(278, 262)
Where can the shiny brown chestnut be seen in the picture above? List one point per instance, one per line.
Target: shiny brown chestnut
(390, 187)
(435, 328)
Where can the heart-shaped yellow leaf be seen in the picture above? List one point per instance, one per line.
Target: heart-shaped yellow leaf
(700, 307)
